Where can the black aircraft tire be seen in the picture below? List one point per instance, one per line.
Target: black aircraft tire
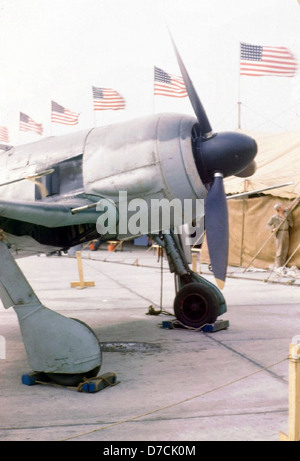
(71, 380)
(195, 305)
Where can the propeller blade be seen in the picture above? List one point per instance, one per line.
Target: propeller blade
(216, 225)
(200, 113)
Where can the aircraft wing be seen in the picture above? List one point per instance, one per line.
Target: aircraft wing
(50, 214)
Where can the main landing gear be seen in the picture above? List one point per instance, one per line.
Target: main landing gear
(65, 349)
(197, 301)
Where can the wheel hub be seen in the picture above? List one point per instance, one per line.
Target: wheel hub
(194, 306)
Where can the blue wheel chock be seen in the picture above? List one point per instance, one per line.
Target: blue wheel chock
(90, 385)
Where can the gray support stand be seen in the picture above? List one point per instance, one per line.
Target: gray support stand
(54, 344)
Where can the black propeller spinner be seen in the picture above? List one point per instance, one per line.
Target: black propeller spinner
(217, 156)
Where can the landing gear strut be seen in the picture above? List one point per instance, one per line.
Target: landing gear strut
(63, 348)
(197, 302)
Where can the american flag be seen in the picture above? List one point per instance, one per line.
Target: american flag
(27, 124)
(257, 61)
(107, 98)
(168, 85)
(60, 114)
(3, 134)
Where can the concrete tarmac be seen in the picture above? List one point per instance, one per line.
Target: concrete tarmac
(174, 384)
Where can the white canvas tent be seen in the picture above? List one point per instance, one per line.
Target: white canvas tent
(278, 162)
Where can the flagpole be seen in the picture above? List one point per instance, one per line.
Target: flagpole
(51, 120)
(239, 114)
(153, 87)
(239, 94)
(94, 114)
(93, 108)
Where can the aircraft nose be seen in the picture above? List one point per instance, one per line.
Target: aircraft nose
(228, 152)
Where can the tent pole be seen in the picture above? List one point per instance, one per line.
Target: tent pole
(294, 252)
(243, 222)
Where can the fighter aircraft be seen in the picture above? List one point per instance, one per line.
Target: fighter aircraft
(54, 191)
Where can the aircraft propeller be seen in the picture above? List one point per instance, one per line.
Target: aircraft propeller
(217, 156)
(205, 127)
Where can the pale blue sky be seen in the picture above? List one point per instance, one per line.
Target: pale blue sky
(58, 49)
